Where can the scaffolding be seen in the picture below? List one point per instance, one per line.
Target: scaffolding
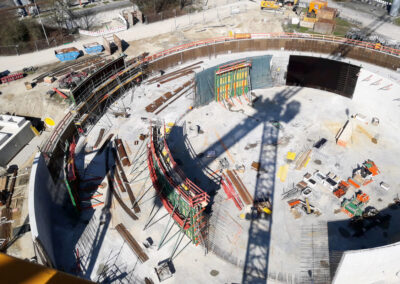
(184, 200)
(92, 103)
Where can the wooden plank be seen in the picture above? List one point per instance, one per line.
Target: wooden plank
(242, 192)
(164, 98)
(128, 149)
(12, 186)
(133, 244)
(122, 153)
(243, 186)
(125, 183)
(177, 76)
(165, 76)
(119, 182)
(119, 200)
(177, 97)
(99, 138)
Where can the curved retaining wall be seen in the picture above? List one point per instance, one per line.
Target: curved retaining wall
(39, 200)
(336, 47)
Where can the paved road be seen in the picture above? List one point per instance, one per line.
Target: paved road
(372, 22)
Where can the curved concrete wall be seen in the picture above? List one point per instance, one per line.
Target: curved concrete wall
(336, 47)
(41, 185)
(40, 202)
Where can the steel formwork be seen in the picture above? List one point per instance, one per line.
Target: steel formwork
(184, 201)
(335, 46)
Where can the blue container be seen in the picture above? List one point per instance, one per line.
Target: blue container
(93, 48)
(67, 54)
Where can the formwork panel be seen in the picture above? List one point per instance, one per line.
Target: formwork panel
(247, 45)
(202, 51)
(257, 44)
(222, 48)
(188, 55)
(263, 43)
(274, 44)
(321, 73)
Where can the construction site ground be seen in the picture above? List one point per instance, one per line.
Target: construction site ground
(294, 243)
(293, 246)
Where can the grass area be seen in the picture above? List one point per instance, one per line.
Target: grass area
(397, 21)
(89, 6)
(342, 27)
(297, 29)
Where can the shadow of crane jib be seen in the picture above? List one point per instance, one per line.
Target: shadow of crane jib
(256, 264)
(265, 182)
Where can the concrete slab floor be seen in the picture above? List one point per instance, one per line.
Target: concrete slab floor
(282, 248)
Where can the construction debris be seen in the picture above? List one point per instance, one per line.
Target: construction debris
(122, 153)
(133, 244)
(71, 80)
(237, 182)
(99, 138)
(263, 206)
(304, 205)
(165, 270)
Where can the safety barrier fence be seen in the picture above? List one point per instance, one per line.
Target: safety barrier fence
(250, 36)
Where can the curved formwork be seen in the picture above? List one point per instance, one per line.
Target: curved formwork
(184, 200)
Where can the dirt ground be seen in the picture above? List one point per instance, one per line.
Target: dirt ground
(262, 22)
(14, 98)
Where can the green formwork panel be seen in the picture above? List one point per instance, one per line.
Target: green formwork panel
(177, 201)
(231, 84)
(260, 77)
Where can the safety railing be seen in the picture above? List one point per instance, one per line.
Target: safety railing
(317, 37)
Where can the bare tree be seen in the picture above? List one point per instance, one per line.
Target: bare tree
(86, 20)
(62, 16)
(157, 6)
